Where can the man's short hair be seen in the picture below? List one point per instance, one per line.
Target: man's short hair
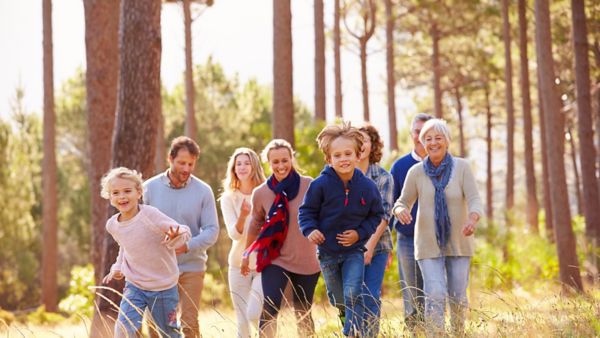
(184, 142)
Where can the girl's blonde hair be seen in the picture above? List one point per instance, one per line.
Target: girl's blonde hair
(121, 172)
(257, 176)
(279, 143)
(333, 131)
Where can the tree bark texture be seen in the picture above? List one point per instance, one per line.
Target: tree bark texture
(283, 95)
(49, 172)
(489, 182)
(549, 226)
(320, 95)
(391, 78)
(139, 102)
(102, 72)
(337, 62)
(532, 201)
(510, 111)
(190, 114)
(570, 274)
(587, 152)
(576, 176)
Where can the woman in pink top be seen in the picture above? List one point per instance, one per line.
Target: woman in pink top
(244, 173)
(147, 240)
(284, 254)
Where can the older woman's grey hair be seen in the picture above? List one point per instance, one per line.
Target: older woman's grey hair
(438, 125)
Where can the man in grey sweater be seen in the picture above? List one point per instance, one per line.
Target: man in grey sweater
(190, 201)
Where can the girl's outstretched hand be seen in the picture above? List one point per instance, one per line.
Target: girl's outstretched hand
(171, 234)
(113, 274)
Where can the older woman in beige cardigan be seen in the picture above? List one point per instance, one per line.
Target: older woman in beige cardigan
(449, 209)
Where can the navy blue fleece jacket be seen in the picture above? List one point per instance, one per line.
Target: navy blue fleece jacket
(332, 209)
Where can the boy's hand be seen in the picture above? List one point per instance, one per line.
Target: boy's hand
(347, 238)
(316, 237)
(113, 274)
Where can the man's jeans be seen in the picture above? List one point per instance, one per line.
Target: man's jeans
(445, 278)
(372, 293)
(411, 280)
(161, 304)
(343, 275)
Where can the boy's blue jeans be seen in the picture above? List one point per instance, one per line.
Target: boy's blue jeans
(162, 306)
(372, 293)
(343, 275)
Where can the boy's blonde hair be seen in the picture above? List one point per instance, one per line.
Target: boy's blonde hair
(333, 132)
(231, 181)
(121, 172)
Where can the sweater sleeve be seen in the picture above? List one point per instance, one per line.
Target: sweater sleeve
(164, 223)
(409, 192)
(119, 261)
(230, 216)
(369, 225)
(470, 191)
(209, 224)
(308, 214)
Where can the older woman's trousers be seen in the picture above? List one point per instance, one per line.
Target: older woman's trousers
(445, 278)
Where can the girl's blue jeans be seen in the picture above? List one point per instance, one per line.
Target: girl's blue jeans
(161, 304)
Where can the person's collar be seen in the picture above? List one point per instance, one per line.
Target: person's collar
(416, 156)
(167, 181)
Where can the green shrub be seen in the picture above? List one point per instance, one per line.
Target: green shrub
(41, 317)
(80, 297)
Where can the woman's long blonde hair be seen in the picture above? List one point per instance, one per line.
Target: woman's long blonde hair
(231, 181)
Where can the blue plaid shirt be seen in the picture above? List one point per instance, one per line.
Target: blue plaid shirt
(385, 185)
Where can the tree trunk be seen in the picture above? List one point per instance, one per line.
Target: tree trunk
(367, 14)
(577, 183)
(160, 160)
(437, 72)
(138, 105)
(364, 81)
(391, 78)
(337, 63)
(532, 201)
(489, 185)
(190, 115)
(49, 173)
(459, 111)
(545, 171)
(283, 96)
(320, 110)
(102, 72)
(587, 154)
(565, 239)
(510, 112)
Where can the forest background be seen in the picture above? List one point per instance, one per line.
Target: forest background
(537, 255)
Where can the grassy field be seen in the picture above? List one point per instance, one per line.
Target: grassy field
(535, 313)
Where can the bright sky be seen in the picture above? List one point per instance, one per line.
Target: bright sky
(237, 33)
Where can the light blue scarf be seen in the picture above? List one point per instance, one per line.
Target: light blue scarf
(440, 176)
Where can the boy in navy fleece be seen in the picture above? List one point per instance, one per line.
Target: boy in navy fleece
(341, 210)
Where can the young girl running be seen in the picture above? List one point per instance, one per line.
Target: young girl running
(341, 211)
(147, 241)
(244, 173)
